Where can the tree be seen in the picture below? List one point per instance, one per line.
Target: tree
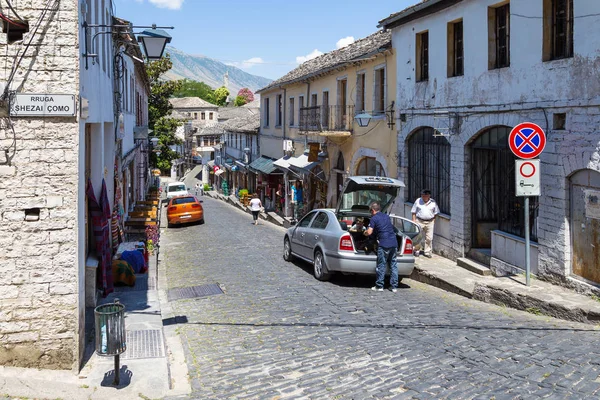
(159, 109)
(221, 95)
(240, 101)
(190, 88)
(246, 94)
(160, 90)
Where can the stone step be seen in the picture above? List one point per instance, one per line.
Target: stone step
(482, 256)
(473, 266)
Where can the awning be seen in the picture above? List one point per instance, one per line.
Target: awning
(211, 163)
(263, 165)
(219, 172)
(205, 148)
(298, 164)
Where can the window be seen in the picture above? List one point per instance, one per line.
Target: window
(499, 36)
(558, 29)
(278, 110)
(360, 93)
(429, 167)
(210, 116)
(266, 114)
(203, 116)
(195, 115)
(304, 222)
(455, 49)
(422, 56)
(321, 221)
(379, 95)
(370, 166)
(559, 121)
(292, 111)
(325, 110)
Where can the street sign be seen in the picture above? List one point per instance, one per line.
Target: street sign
(527, 140)
(527, 177)
(42, 105)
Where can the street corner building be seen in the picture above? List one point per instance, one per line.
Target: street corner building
(67, 144)
(470, 71)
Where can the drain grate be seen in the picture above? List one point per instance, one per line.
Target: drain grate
(141, 283)
(194, 291)
(144, 344)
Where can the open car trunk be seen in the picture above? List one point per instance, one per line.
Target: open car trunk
(358, 194)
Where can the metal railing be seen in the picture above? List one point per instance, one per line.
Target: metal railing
(326, 118)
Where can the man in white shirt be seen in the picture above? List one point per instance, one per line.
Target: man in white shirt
(424, 211)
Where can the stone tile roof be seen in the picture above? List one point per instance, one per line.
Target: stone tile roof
(246, 124)
(328, 61)
(409, 11)
(235, 112)
(190, 102)
(253, 104)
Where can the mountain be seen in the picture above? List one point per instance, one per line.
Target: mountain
(211, 72)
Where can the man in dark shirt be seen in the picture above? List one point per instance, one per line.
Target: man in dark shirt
(382, 227)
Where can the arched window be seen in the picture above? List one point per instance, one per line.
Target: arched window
(429, 167)
(370, 166)
(495, 204)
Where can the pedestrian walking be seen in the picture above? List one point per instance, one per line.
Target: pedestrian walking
(381, 226)
(255, 207)
(298, 199)
(424, 211)
(197, 189)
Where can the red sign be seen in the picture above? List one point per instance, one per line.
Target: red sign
(527, 140)
(215, 168)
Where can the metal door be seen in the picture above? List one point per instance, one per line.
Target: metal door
(585, 224)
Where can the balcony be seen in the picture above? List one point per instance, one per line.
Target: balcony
(327, 120)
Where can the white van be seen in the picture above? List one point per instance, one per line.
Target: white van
(175, 189)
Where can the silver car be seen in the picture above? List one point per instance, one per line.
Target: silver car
(323, 237)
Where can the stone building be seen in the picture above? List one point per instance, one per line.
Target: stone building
(60, 141)
(468, 72)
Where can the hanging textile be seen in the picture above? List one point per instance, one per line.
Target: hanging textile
(100, 222)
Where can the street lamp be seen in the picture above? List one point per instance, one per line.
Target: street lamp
(154, 42)
(154, 141)
(363, 119)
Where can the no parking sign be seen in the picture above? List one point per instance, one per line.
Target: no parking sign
(527, 140)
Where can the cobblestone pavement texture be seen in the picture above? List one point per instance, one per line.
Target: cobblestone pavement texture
(277, 332)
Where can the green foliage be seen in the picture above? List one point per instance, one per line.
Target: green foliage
(190, 88)
(221, 95)
(206, 187)
(242, 192)
(159, 110)
(240, 101)
(160, 90)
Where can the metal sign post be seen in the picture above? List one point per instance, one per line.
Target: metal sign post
(527, 141)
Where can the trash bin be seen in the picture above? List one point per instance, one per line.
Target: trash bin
(110, 332)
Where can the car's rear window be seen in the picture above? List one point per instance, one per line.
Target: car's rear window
(183, 200)
(176, 188)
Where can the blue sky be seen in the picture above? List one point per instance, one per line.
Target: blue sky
(263, 37)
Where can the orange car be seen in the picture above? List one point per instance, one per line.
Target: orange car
(184, 209)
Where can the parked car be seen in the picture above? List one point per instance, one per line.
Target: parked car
(175, 189)
(323, 239)
(184, 209)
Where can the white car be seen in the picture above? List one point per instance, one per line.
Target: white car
(175, 189)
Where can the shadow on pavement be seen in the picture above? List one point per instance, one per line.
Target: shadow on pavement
(124, 378)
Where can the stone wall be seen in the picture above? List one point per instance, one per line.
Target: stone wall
(38, 199)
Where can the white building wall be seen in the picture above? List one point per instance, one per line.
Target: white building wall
(528, 90)
(40, 253)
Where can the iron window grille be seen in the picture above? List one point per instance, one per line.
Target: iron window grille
(493, 175)
(562, 29)
(429, 167)
(424, 56)
(458, 49)
(503, 36)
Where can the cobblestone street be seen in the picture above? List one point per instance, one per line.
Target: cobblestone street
(277, 332)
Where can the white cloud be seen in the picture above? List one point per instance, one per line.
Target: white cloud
(314, 54)
(251, 62)
(171, 4)
(343, 42)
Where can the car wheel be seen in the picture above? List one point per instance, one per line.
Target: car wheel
(320, 268)
(201, 222)
(287, 250)
(169, 225)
